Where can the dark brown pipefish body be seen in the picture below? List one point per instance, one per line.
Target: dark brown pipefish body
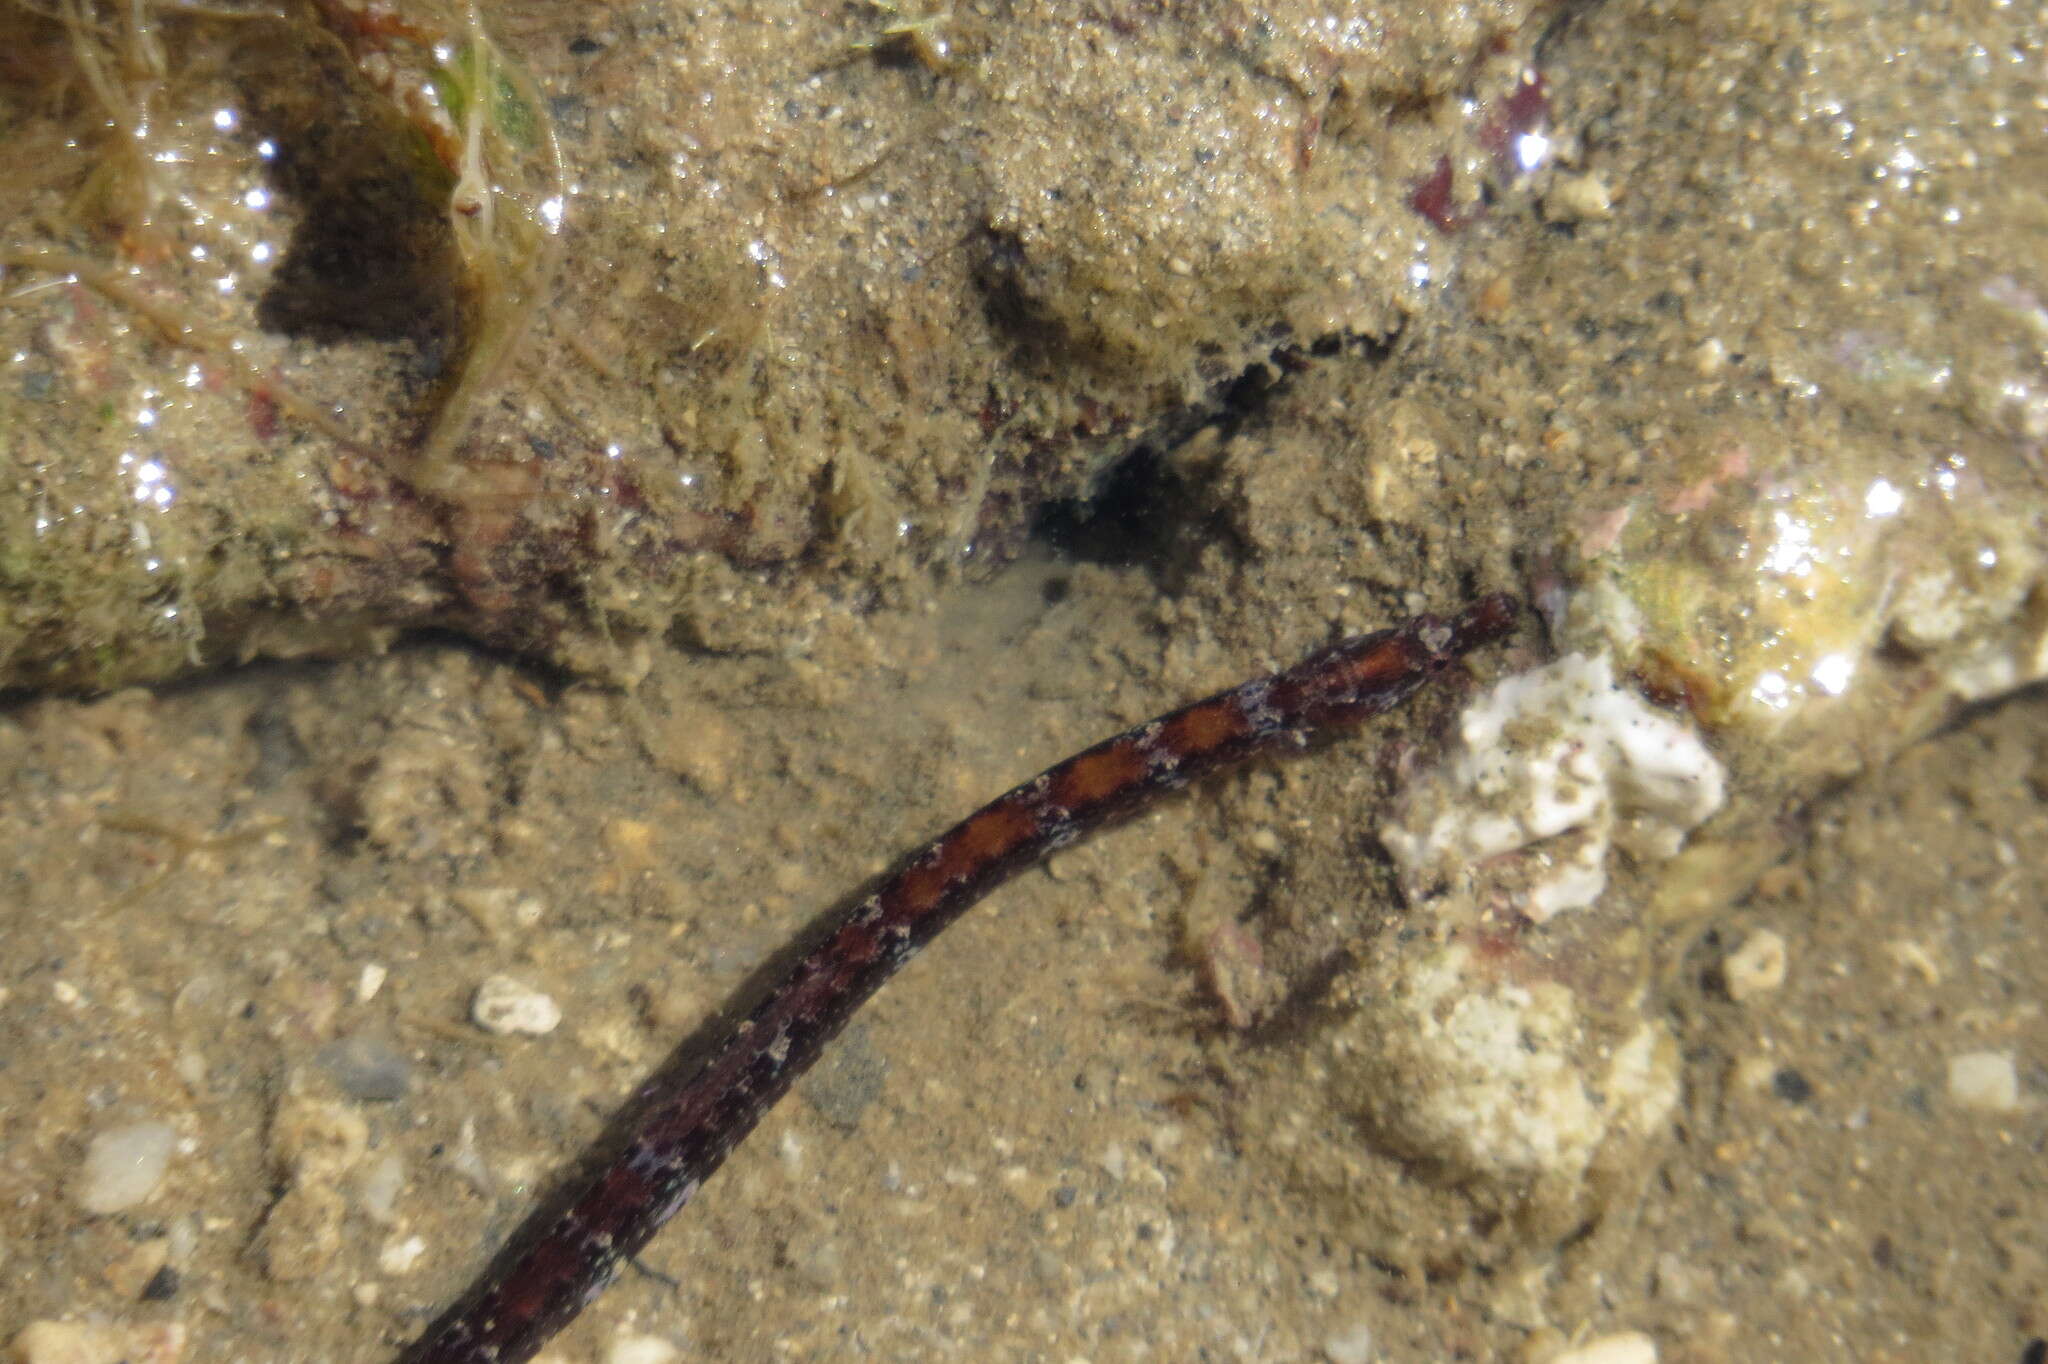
(689, 1119)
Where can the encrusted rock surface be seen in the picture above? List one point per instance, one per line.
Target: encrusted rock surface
(843, 301)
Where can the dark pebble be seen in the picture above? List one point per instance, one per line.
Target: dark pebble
(1789, 1085)
(162, 1286)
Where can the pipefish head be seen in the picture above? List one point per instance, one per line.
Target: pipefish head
(1485, 620)
(1362, 676)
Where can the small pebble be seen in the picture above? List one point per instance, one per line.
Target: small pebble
(504, 1005)
(400, 1254)
(162, 1286)
(367, 1067)
(641, 1350)
(380, 1187)
(493, 907)
(1791, 1086)
(1623, 1347)
(1984, 1080)
(124, 1165)
(1757, 967)
(1350, 1344)
(371, 981)
(1578, 198)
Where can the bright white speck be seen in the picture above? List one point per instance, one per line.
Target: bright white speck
(687, 480)
(1418, 273)
(1987, 557)
(150, 472)
(224, 119)
(1882, 500)
(266, 149)
(257, 199)
(1531, 150)
(225, 284)
(261, 252)
(551, 212)
(146, 417)
(1772, 690)
(1833, 672)
(613, 451)
(1792, 551)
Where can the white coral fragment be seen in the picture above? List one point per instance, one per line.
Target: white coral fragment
(1565, 761)
(1497, 1082)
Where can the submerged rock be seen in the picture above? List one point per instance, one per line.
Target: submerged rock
(825, 324)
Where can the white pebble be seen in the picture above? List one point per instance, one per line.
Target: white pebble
(1350, 1344)
(641, 1350)
(1984, 1080)
(504, 1005)
(371, 981)
(123, 1166)
(400, 1254)
(1755, 968)
(1577, 198)
(1623, 1347)
(382, 1183)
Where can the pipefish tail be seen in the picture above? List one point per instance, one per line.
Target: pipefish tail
(689, 1117)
